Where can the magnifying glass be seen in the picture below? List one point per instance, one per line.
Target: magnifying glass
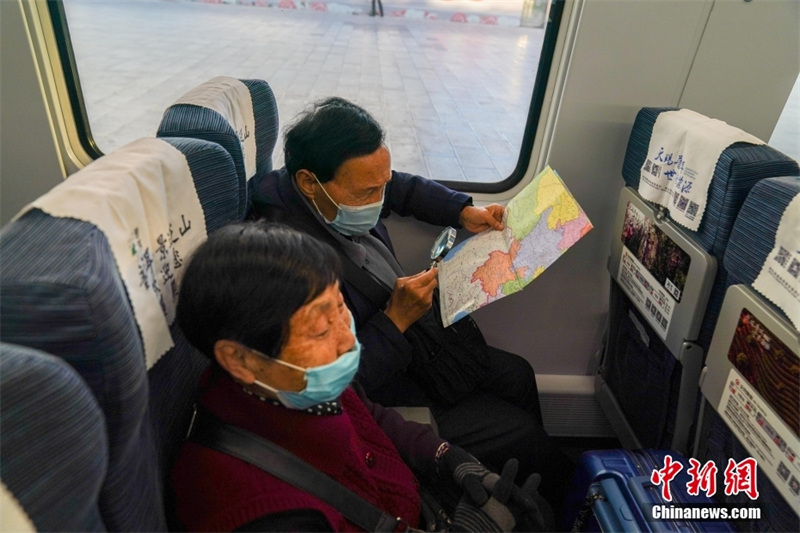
(443, 244)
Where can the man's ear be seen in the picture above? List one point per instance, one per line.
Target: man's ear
(306, 183)
(232, 357)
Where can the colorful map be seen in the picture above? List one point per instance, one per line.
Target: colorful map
(542, 222)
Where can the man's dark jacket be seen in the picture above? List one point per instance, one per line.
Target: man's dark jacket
(386, 352)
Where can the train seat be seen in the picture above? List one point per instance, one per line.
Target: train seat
(239, 115)
(54, 445)
(89, 273)
(663, 353)
(770, 367)
(739, 167)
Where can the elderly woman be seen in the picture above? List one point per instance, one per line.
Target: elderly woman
(263, 303)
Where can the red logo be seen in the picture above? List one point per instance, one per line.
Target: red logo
(739, 477)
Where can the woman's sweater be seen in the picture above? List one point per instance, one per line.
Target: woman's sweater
(217, 492)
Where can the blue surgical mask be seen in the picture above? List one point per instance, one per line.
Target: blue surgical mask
(353, 220)
(323, 383)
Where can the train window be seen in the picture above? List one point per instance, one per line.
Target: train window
(786, 136)
(457, 84)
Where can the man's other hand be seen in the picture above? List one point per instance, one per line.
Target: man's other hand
(411, 298)
(477, 219)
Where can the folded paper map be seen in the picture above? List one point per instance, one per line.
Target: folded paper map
(542, 222)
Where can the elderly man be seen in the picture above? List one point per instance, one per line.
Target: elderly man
(337, 186)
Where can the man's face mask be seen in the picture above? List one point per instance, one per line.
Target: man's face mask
(353, 220)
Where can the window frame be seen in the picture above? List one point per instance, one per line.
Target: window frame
(58, 18)
(535, 109)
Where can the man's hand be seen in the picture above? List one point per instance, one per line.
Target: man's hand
(411, 298)
(477, 219)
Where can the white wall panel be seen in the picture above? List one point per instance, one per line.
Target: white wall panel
(747, 63)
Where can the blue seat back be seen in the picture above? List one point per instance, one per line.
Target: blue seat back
(61, 291)
(753, 235)
(752, 239)
(53, 441)
(218, 125)
(738, 168)
(661, 369)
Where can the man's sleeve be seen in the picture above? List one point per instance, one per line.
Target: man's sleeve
(424, 199)
(385, 352)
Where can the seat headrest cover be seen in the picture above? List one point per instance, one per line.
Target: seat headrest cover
(230, 98)
(142, 197)
(681, 158)
(779, 279)
(13, 517)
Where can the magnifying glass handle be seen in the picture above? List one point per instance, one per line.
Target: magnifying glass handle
(433, 264)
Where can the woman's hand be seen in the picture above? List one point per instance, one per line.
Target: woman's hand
(479, 510)
(530, 511)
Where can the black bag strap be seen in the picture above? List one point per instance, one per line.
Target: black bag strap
(365, 283)
(208, 431)
(375, 291)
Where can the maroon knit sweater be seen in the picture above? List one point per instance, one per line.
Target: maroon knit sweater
(217, 492)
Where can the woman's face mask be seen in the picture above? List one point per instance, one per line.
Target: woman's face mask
(353, 220)
(323, 383)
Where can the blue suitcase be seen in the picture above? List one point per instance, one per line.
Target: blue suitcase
(612, 492)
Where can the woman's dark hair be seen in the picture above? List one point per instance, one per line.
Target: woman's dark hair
(247, 280)
(327, 134)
